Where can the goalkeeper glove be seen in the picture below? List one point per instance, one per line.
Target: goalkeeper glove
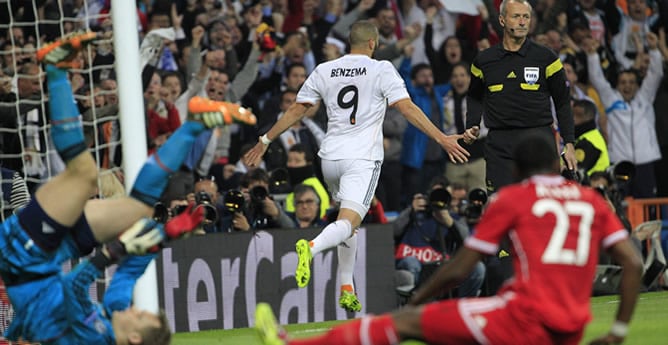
(145, 236)
(185, 223)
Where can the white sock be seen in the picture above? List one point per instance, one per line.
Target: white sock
(331, 236)
(347, 252)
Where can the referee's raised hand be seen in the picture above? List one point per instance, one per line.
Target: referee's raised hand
(471, 134)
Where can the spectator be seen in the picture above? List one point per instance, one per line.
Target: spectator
(589, 143)
(472, 173)
(443, 24)
(631, 134)
(301, 170)
(585, 11)
(450, 51)
(14, 191)
(304, 132)
(582, 91)
(306, 205)
(172, 85)
(390, 46)
(634, 27)
(388, 194)
(29, 142)
(275, 86)
(422, 157)
(163, 118)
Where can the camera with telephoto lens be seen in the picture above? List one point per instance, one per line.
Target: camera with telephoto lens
(160, 213)
(439, 199)
(234, 201)
(279, 181)
(203, 199)
(619, 175)
(472, 208)
(259, 220)
(257, 195)
(176, 210)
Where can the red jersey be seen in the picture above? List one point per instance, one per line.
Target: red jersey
(556, 230)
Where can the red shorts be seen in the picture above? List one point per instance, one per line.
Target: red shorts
(489, 320)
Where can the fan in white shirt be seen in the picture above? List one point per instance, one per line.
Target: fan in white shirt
(355, 89)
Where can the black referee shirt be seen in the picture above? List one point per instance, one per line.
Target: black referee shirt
(515, 89)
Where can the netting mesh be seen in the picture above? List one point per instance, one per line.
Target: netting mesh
(25, 146)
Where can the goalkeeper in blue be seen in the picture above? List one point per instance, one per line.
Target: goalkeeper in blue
(62, 222)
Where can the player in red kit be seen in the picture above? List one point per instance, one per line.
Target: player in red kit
(556, 229)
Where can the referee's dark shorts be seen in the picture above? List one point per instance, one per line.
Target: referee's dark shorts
(499, 149)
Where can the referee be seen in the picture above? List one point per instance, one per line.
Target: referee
(514, 81)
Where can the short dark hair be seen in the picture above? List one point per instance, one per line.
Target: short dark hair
(362, 31)
(439, 180)
(168, 74)
(292, 66)
(465, 65)
(417, 68)
(299, 147)
(258, 174)
(631, 71)
(588, 106)
(535, 154)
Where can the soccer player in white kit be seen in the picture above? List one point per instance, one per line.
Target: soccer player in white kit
(355, 89)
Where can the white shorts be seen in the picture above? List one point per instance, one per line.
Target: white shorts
(352, 182)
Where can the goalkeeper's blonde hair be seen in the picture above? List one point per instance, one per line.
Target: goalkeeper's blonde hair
(161, 335)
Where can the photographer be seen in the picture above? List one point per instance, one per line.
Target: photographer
(204, 194)
(603, 183)
(470, 208)
(259, 210)
(428, 235)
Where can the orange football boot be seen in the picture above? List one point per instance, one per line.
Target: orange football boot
(214, 113)
(62, 52)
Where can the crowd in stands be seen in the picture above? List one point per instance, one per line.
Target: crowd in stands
(258, 53)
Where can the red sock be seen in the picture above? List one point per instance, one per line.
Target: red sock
(376, 330)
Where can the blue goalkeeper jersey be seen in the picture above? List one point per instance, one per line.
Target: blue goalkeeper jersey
(55, 307)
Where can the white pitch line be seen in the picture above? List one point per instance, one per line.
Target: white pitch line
(314, 330)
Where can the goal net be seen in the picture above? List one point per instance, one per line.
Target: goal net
(27, 157)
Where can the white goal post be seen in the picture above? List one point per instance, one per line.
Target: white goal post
(133, 127)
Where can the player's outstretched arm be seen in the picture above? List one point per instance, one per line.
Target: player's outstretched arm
(291, 116)
(448, 275)
(415, 116)
(626, 255)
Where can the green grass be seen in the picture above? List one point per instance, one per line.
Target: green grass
(649, 327)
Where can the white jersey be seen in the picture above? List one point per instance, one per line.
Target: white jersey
(355, 90)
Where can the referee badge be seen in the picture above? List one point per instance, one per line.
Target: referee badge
(531, 75)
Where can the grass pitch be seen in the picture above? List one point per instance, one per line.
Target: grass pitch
(649, 326)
